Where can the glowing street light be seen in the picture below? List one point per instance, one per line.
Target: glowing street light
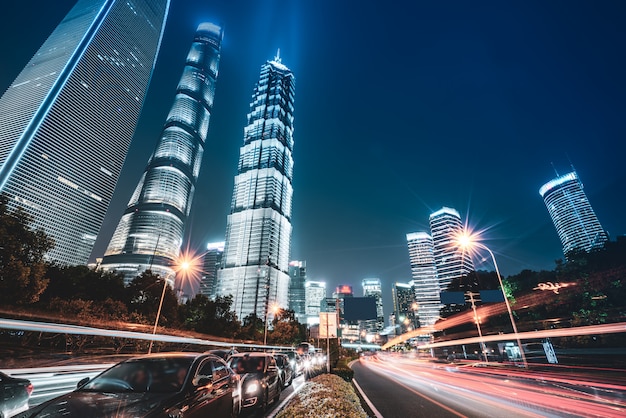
(467, 241)
(274, 308)
(183, 265)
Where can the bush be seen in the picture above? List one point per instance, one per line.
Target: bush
(325, 396)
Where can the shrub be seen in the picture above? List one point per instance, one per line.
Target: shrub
(325, 396)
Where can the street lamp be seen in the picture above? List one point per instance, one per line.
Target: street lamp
(465, 241)
(274, 308)
(183, 265)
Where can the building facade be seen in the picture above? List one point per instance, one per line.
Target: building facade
(424, 274)
(315, 294)
(210, 265)
(150, 232)
(575, 221)
(255, 267)
(405, 308)
(373, 288)
(67, 120)
(297, 293)
(451, 262)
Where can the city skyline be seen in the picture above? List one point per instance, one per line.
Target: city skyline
(400, 112)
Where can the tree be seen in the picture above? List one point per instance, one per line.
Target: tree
(81, 282)
(212, 317)
(253, 328)
(22, 250)
(286, 329)
(145, 293)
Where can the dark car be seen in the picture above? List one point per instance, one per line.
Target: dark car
(285, 371)
(296, 362)
(260, 381)
(173, 385)
(14, 395)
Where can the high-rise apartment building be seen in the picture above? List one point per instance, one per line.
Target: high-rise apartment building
(258, 230)
(150, 232)
(67, 120)
(424, 273)
(575, 221)
(315, 293)
(210, 266)
(451, 262)
(297, 293)
(373, 288)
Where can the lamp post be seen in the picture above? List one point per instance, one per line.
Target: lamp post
(182, 266)
(465, 241)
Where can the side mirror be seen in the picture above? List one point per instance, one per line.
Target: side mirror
(203, 381)
(82, 382)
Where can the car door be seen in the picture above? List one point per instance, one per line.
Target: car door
(201, 397)
(272, 375)
(222, 388)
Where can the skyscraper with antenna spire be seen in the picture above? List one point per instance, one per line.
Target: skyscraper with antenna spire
(255, 263)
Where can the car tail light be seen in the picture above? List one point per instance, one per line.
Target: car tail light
(29, 388)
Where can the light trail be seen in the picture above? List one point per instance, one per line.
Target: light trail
(513, 392)
(547, 333)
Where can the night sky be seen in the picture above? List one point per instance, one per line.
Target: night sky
(400, 110)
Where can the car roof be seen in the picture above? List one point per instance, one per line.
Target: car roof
(251, 354)
(173, 355)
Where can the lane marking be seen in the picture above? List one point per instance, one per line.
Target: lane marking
(367, 400)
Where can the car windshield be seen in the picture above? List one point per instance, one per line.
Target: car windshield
(247, 364)
(142, 375)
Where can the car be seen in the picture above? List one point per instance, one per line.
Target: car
(14, 394)
(260, 380)
(285, 370)
(296, 362)
(224, 354)
(172, 385)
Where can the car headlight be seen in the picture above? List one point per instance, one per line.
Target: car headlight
(252, 387)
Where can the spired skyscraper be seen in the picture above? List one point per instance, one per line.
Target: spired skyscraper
(258, 232)
(67, 120)
(574, 219)
(150, 232)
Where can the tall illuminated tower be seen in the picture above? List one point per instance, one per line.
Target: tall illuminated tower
(297, 293)
(150, 232)
(424, 273)
(67, 120)
(258, 231)
(373, 288)
(445, 228)
(575, 221)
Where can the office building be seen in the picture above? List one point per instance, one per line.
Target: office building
(67, 120)
(297, 293)
(255, 267)
(373, 288)
(211, 264)
(450, 261)
(150, 232)
(315, 294)
(575, 221)
(404, 308)
(424, 274)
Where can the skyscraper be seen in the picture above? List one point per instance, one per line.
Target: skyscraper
(404, 307)
(451, 263)
(575, 221)
(373, 288)
(297, 294)
(315, 293)
(258, 230)
(211, 264)
(67, 120)
(424, 273)
(150, 232)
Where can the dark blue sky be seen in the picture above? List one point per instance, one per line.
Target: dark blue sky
(399, 111)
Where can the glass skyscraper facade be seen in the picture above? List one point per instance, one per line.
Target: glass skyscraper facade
(258, 231)
(150, 232)
(424, 273)
(575, 221)
(211, 264)
(67, 120)
(404, 307)
(297, 294)
(451, 262)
